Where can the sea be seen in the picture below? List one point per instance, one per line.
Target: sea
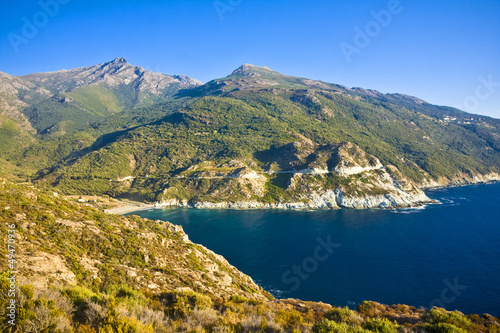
(445, 255)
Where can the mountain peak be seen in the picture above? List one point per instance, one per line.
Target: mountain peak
(251, 70)
(119, 60)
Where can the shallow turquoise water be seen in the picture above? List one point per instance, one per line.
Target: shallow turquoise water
(446, 255)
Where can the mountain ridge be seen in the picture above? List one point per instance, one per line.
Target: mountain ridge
(249, 119)
(102, 72)
(83, 95)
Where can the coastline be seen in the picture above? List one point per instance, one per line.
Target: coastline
(125, 207)
(129, 208)
(458, 181)
(298, 206)
(452, 185)
(111, 205)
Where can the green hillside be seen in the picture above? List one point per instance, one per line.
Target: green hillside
(92, 137)
(253, 112)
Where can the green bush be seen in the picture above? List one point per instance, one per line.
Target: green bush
(343, 315)
(28, 290)
(380, 325)
(370, 309)
(126, 325)
(441, 316)
(80, 295)
(444, 328)
(329, 326)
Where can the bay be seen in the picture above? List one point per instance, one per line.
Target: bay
(445, 254)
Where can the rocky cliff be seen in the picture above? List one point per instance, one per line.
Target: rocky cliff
(300, 175)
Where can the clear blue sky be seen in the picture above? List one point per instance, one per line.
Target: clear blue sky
(435, 50)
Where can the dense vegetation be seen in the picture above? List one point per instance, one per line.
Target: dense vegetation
(91, 137)
(252, 126)
(123, 309)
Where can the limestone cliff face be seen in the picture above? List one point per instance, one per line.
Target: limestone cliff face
(299, 175)
(464, 179)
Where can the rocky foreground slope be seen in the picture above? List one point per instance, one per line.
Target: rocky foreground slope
(81, 270)
(61, 242)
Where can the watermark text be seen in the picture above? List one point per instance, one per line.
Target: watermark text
(12, 273)
(31, 26)
(309, 265)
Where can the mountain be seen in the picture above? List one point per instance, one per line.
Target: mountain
(16, 131)
(66, 100)
(37, 107)
(78, 269)
(254, 139)
(261, 139)
(112, 74)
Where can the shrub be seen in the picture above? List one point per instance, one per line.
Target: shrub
(380, 325)
(128, 296)
(95, 314)
(343, 315)
(80, 295)
(28, 290)
(42, 315)
(203, 318)
(147, 316)
(444, 328)
(329, 326)
(370, 309)
(252, 323)
(238, 299)
(126, 325)
(182, 302)
(85, 329)
(455, 318)
(290, 318)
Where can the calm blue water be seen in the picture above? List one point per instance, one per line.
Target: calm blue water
(446, 255)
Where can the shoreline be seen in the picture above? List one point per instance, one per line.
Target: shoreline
(110, 205)
(129, 208)
(135, 206)
(440, 187)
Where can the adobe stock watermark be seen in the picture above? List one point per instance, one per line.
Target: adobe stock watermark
(449, 294)
(155, 69)
(309, 265)
(11, 293)
(372, 29)
(484, 90)
(39, 20)
(223, 6)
